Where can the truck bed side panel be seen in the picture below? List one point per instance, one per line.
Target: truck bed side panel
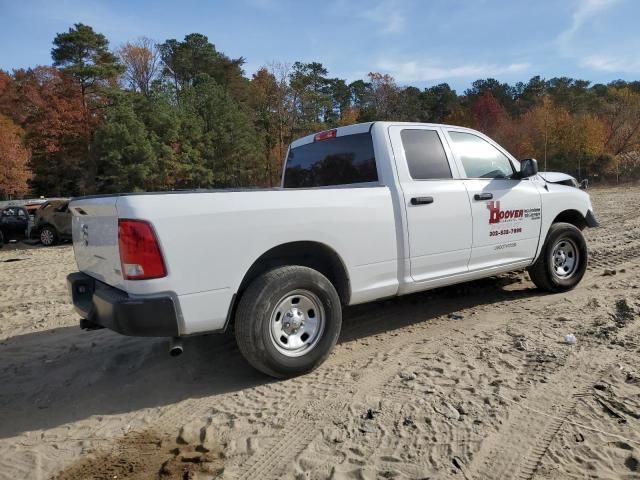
(210, 240)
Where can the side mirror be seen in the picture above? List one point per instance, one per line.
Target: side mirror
(528, 168)
(584, 184)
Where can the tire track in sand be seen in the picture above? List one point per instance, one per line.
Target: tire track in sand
(516, 450)
(304, 424)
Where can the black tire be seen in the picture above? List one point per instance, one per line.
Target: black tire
(1, 239)
(48, 236)
(253, 324)
(543, 271)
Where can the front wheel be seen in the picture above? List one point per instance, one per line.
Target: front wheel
(48, 236)
(288, 321)
(563, 260)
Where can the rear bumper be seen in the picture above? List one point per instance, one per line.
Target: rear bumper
(111, 308)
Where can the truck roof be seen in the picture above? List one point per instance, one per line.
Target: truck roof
(362, 128)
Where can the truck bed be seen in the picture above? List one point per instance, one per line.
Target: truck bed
(209, 240)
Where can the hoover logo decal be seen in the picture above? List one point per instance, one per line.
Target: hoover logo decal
(497, 215)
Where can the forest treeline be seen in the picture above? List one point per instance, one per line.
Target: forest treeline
(180, 114)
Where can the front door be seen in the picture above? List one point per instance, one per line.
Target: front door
(435, 200)
(506, 211)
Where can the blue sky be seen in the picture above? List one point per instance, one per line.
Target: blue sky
(419, 42)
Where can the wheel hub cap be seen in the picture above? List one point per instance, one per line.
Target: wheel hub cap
(293, 321)
(46, 237)
(297, 323)
(565, 258)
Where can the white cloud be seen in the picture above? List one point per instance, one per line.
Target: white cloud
(607, 63)
(413, 71)
(387, 16)
(601, 56)
(585, 10)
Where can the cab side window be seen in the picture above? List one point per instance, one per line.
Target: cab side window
(425, 155)
(479, 158)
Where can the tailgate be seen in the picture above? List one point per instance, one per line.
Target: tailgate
(95, 238)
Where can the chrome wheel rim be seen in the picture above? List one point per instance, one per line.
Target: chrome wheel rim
(565, 258)
(46, 237)
(297, 323)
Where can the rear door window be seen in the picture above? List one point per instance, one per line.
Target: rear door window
(425, 155)
(336, 161)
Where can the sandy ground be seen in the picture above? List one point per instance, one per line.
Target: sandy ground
(467, 382)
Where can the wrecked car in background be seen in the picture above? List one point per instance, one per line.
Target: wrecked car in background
(15, 224)
(53, 222)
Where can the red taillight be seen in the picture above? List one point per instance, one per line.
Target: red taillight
(325, 135)
(140, 255)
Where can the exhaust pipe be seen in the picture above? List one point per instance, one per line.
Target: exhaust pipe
(175, 347)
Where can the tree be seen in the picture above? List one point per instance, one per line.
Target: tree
(228, 148)
(84, 54)
(622, 117)
(461, 117)
(340, 100)
(409, 108)
(286, 116)
(14, 160)
(47, 104)
(141, 60)
(384, 95)
(502, 92)
(489, 114)
(438, 102)
(124, 154)
(530, 94)
(312, 100)
(184, 61)
(572, 94)
(360, 92)
(264, 104)
(545, 132)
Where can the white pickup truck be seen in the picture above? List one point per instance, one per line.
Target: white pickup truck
(364, 212)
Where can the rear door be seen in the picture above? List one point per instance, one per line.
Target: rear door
(506, 211)
(436, 203)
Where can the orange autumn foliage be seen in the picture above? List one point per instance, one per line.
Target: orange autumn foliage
(14, 160)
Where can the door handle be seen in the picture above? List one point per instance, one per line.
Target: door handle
(421, 200)
(483, 196)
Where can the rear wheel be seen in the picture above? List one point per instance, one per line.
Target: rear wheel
(288, 321)
(563, 260)
(48, 236)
